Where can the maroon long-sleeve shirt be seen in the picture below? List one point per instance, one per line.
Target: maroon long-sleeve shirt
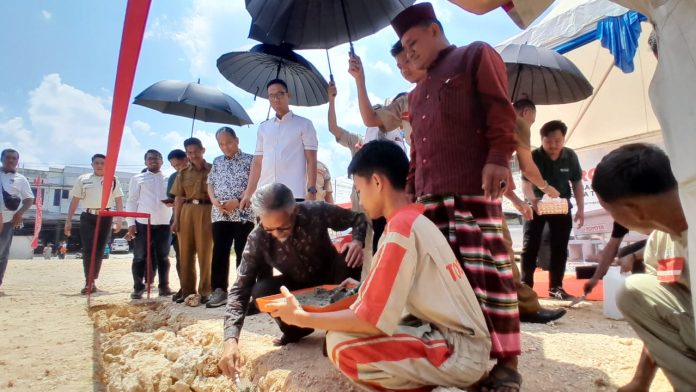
(462, 119)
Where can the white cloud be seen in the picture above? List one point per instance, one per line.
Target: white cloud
(383, 67)
(46, 15)
(143, 128)
(15, 135)
(66, 126)
(209, 26)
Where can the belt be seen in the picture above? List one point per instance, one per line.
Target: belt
(197, 201)
(95, 211)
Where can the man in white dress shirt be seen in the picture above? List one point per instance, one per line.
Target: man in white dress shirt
(146, 193)
(286, 150)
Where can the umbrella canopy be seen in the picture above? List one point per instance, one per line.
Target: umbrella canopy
(252, 70)
(319, 24)
(542, 75)
(194, 101)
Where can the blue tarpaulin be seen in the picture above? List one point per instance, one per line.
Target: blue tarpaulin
(619, 34)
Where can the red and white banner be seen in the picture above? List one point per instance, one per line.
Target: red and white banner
(38, 203)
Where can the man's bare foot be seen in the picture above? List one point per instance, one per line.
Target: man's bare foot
(635, 386)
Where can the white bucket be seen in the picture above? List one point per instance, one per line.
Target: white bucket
(613, 281)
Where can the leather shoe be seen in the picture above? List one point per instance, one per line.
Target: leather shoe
(543, 316)
(165, 291)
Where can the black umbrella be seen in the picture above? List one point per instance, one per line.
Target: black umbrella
(194, 101)
(319, 24)
(252, 70)
(543, 76)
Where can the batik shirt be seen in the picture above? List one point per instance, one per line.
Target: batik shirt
(229, 178)
(305, 257)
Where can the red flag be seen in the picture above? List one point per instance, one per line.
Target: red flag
(131, 41)
(38, 202)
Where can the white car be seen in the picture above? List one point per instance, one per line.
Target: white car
(120, 245)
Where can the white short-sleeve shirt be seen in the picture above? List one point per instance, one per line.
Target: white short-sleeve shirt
(16, 185)
(282, 143)
(88, 188)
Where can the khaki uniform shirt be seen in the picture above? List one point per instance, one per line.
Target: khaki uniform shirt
(415, 274)
(395, 115)
(323, 181)
(353, 142)
(191, 183)
(88, 188)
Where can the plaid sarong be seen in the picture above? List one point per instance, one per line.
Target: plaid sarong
(473, 228)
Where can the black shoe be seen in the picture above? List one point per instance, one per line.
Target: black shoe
(560, 294)
(84, 289)
(137, 294)
(217, 299)
(176, 297)
(252, 309)
(296, 337)
(543, 316)
(205, 299)
(181, 299)
(165, 291)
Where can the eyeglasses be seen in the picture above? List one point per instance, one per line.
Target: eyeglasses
(277, 95)
(282, 229)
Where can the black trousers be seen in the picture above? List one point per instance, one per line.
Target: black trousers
(225, 235)
(88, 223)
(378, 226)
(159, 255)
(175, 244)
(559, 229)
(335, 274)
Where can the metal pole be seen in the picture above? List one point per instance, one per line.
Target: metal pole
(328, 60)
(345, 20)
(195, 109)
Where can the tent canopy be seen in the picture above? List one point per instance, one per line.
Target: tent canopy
(620, 108)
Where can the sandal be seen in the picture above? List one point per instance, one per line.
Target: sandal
(501, 377)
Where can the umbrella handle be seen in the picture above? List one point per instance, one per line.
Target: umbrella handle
(328, 60)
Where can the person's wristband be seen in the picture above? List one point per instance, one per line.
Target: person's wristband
(543, 188)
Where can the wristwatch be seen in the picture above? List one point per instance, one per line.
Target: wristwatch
(312, 189)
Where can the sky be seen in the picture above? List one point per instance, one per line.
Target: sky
(59, 66)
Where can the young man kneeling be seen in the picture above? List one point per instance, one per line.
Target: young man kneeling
(416, 322)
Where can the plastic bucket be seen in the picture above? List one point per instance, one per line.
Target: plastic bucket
(613, 281)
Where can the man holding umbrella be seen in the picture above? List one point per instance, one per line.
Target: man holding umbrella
(286, 150)
(462, 141)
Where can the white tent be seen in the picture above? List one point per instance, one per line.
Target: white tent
(619, 109)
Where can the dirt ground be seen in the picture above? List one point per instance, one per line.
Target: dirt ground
(51, 341)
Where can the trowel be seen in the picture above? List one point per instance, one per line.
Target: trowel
(242, 384)
(577, 300)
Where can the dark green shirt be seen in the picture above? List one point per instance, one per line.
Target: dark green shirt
(559, 173)
(170, 183)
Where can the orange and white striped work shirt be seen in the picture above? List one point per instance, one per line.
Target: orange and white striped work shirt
(416, 274)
